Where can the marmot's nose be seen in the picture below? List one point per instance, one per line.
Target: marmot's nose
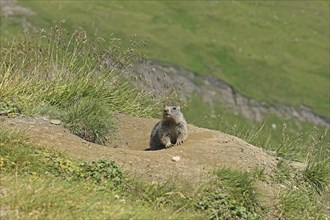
(166, 111)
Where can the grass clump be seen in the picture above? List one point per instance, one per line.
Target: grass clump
(89, 120)
(301, 203)
(239, 184)
(233, 196)
(70, 76)
(317, 172)
(305, 189)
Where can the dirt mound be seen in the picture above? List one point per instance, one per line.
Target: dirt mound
(203, 151)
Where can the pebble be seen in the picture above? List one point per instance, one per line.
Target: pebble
(176, 158)
(55, 122)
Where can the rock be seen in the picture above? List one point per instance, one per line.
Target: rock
(156, 78)
(176, 158)
(55, 122)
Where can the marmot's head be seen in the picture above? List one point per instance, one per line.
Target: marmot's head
(172, 113)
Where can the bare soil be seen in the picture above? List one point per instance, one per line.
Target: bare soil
(203, 151)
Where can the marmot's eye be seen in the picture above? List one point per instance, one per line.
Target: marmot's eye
(174, 108)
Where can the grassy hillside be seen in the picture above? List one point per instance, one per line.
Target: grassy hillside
(275, 51)
(61, 74)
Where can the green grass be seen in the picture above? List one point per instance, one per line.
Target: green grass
(232, 196)
(300, 197)
(273, 51)
(290, 139)
(52, 198)
(301, 204)
(57, 73)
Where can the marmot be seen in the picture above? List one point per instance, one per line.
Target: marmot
(171, 130)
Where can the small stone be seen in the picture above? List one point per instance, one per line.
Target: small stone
(274, 126)
(176, 158)
(55, 122)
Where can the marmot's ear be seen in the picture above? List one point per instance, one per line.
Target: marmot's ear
(178, 108)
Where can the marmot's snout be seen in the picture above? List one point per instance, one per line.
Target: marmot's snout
(166, 111)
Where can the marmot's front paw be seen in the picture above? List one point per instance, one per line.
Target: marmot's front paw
(169, 145)
(179, 142)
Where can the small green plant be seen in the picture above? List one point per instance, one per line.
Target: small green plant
(220, 205)
(7, 108)
(99, 172)
(102, 171)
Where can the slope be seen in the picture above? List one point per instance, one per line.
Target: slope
(270, 51)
